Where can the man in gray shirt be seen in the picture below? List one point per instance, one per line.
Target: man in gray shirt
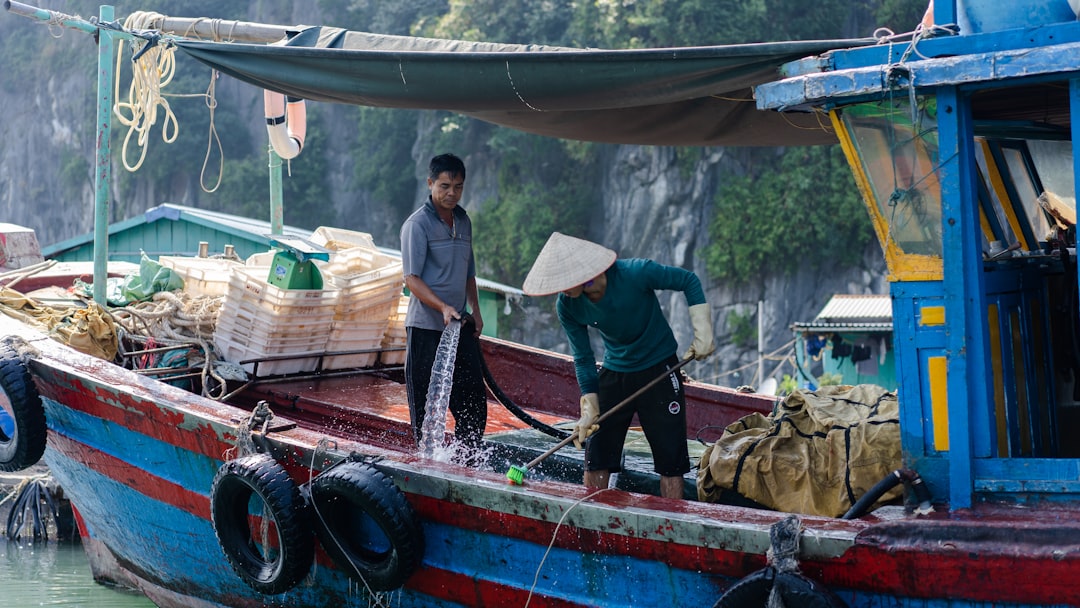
(440, 272)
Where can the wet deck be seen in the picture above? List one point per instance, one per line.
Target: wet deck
(374, 408)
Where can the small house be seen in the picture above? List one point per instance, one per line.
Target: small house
(851, 338)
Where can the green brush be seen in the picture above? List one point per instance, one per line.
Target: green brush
(516, 474)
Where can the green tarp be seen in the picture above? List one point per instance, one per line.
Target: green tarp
(673, 96)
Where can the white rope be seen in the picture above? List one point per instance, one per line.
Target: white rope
(153, 70)
(181, 317)
(554, 534)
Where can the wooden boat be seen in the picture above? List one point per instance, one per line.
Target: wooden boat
(349, 513)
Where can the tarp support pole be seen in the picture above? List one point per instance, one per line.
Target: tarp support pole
(103, 174)
(277, 219)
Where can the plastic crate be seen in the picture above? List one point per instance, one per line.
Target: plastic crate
(238, 351)
(202, 276)
(393, 357)
(367, 309)
(354, 336)
(359, 260)
(299, 339)
(249, 284)
(339, 238)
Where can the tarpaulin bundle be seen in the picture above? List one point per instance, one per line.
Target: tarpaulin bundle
(87, 329)
(817, 454)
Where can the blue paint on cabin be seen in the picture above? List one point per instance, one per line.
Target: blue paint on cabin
(987, 347)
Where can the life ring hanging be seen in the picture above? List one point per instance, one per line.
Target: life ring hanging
(22, 417)
(286, 123)
(287, 555)
(366, 526)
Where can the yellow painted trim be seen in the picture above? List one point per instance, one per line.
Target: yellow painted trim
(998, 185)
(1000, 420)
(984, 221)
(902, 266)
(937, 370)
(932, 316)
(862, 182)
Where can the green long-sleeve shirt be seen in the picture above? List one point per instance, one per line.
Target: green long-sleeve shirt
(636, 335)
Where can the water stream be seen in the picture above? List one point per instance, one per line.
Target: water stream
(438, 396)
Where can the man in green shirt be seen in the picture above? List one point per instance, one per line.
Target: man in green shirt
(618, 299)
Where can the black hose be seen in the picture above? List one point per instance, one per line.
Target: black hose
(33, 496)
(513, 407)
(911, 481)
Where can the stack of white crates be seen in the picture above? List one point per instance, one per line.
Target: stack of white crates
(369, 284)
(259, 320)
(395, 336)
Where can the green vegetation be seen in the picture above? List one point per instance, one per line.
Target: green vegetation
(540, 189)
(743, 328)
(830, 379)
(790, 209)
(787, 385)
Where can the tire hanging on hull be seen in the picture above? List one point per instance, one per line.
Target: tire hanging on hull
(22, 416)
(272, 565)
(780, 582)
(366, 526)
(795, 589)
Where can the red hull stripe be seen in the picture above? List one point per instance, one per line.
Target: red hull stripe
(135, 478)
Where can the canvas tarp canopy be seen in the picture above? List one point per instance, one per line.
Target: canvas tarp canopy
(673, 96)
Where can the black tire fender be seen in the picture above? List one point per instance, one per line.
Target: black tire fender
(366, 525)
(292, 545)
(752, 591)
(23, 431)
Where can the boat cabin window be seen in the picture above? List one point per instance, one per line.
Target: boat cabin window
(898, 151)
(1054, 164)
(1024, 189)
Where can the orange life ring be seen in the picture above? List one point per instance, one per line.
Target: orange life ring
(286, 123)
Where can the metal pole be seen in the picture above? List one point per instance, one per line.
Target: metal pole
(199, 27)
(103, 174)
(277, 219)
(760, 342)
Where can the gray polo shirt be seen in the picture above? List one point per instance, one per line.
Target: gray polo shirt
(441, 257)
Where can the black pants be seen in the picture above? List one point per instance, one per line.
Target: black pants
(468, 399)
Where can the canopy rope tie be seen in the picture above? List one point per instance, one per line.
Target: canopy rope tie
(245, 431)
(783, 552)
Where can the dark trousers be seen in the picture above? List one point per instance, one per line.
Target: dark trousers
(468, 397)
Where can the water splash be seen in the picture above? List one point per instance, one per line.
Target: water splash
(438, 396)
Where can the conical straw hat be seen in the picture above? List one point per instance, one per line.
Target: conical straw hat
(564, 263)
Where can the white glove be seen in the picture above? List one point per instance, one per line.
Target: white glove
(701, 321)
(590, 410)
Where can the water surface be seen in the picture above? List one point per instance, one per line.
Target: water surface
(55, 574)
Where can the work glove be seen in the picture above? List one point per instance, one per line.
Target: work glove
(701, 321)
(590, 410)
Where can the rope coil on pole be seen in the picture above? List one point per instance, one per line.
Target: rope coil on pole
(153, 67)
